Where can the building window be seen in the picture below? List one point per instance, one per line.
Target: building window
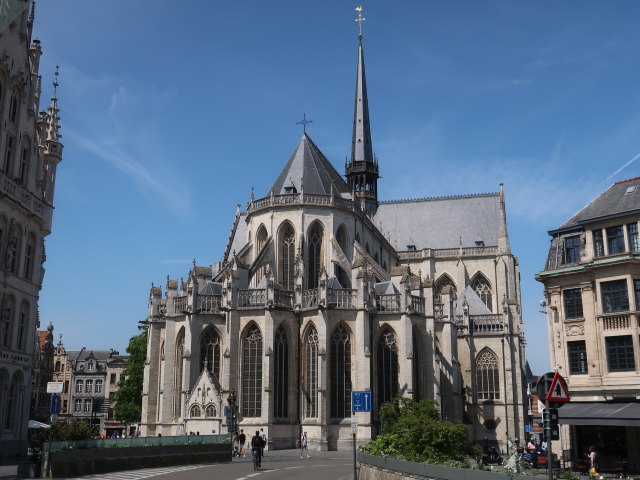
(210, 351)
(487, 376)
(8, 312)
(210, 411)
(572, 249)
(287, 246)
(87, 406)
(615, 297)
(13, 249)
(620, 353)
(77, 406)
(29, 250)
(90, 365)
(314, 260)
(195, 412)
(634, 241)
(12, 400)
(179, 372)
(311, 374)
(387, 353)
(66, 383)
(444, 281)
(79, 386)
(98, 386)
(8, 155)
(482, 288)
(615, 239)
(252, 373)
(57, 367)
(23, 322)
(598, 243)
(572, 303)
(577, 357)
(340, 373)
(112, 379)
(24, 163)
(89, 386)
(281, 374)
(13, 110)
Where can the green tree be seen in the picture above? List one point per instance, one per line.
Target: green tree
(128, 397)
(414, 431)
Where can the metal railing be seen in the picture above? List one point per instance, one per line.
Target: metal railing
(388, 303)
(252, 298)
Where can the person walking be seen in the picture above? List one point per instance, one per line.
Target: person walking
(242, 438)
(304, 445)
(593, 462)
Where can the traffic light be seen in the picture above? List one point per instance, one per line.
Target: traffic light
(550, 423)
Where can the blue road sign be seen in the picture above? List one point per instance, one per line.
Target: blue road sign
(527, 428)
(361, 401)
(54, 406)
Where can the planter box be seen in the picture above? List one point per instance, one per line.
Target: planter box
(74, 463)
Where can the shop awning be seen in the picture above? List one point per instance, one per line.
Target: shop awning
(34, 424)
(600, 413)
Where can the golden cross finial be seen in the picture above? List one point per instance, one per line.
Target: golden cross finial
(360, 19)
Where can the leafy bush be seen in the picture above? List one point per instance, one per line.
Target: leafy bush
(414, 431)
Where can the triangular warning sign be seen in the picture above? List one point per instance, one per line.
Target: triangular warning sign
(558, 390)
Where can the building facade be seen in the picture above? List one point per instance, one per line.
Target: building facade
(592, 291)
(323, 290)
(42, 374)
(115, 367)
(30, 151)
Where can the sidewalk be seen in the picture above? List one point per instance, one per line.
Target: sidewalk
(8, 469)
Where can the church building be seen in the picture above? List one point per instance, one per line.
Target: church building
(324, 289)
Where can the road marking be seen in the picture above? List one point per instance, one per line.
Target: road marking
(322, 465)
(289, 468)
(139, 474)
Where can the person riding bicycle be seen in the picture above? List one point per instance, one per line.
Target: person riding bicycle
(256, 447)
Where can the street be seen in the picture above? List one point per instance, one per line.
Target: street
(279, 464)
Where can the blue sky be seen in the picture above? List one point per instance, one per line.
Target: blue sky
(171, 111)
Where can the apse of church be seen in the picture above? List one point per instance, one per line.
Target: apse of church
(322, 290)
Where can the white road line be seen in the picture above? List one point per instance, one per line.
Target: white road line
(290, 468)
(322, 465)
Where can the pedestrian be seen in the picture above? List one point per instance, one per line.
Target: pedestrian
(304, 444)
(263, 436)
(241, 439)
(593, 462)
(236, 447)
(256, 447)
(544, 447)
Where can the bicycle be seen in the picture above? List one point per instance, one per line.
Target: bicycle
(256, 463)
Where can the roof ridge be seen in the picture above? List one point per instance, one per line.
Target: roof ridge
(443, 197)
(627, 180)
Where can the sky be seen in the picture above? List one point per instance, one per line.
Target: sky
(172, 111)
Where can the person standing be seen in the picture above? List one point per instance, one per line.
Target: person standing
(593, 462)
(242, 438)
(304, 445)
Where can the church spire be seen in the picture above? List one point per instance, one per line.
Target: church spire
(362, 169)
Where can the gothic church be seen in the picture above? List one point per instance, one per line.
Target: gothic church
(322, 290)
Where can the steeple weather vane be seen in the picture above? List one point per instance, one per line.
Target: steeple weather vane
(304, 122)
(360, 19)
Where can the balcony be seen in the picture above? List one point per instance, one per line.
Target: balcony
(252, 298)
(343, 298)
(283, 299)
(417, 304)
(310, 299)
(486, 323)
(389, 303)
(179, 304)
(616, 321)
(209, 303)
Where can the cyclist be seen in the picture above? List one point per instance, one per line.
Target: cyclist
(257, 445)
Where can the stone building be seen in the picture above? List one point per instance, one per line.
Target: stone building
(115, 366)
(323, 290)
(42, 374)
(592, 291)
(62, 372)
(30, 151)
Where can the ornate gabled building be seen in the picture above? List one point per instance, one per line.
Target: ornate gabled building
(323, 290)
(30, 151)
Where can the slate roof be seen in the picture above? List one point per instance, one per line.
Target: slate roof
(440, 222)
(612, 202)
(476, 306)
(385, 288)
(101, 355)
(211, 288)
(308, 168)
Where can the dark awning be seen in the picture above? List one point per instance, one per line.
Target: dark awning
(600, 413)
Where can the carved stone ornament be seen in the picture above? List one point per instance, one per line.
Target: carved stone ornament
(574, 329)
(586, 286)
(553, 290)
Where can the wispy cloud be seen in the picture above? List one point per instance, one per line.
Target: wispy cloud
(120, 97)
(623, 167)
(136, 171)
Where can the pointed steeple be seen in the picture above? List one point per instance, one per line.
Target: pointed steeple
(53, 127)
(503, 235)
(362, 169)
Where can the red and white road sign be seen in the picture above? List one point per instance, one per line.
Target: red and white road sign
(558, 391)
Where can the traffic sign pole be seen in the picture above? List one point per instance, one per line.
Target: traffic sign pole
(547, 428)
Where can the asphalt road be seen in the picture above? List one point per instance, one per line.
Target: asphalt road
(277, 465)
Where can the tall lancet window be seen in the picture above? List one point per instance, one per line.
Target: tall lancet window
(481, 286)
(416, 365)
(311, 374)
(281, 374)
(261, 241)
(314, 259)
(444, 281)
(340, 373)
(210, 351)
(487, 376)
(387, 361)
(252, 373)
(179, 372)
(287, 247)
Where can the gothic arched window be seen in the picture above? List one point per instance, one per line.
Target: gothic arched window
(13, 249)
(252, 373)
(340, 373)
(210, 411)
(481, 286)
(261, 241)
(416, 364)
(29, 252)
(311, 373)
(210, 351)
(387, 362)
(342, 276)
(444, 281)
(25, 150)
(8, 312)
(179, 372)
(11, 406)
(281, 374)
(314, 252)
(57, 367)
(23, 322)
(287, 252)
(195, 412)
(341, 238)
(487, 376)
